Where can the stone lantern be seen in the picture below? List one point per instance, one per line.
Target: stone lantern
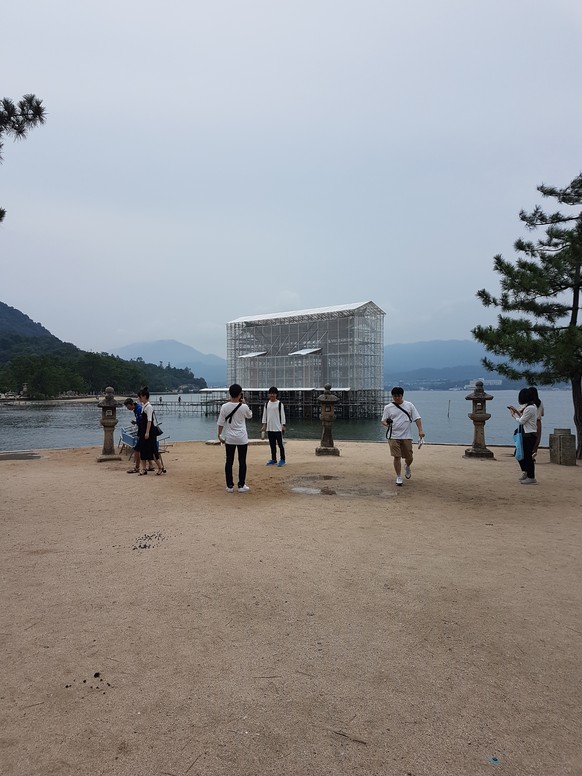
(108, 421)
(479, 416)
(327, 400)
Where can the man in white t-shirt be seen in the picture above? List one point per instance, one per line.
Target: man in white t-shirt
(273, 422)
(232, 420)
(398, 417)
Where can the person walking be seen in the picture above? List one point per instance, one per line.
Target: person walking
(136, 408)
(527, 417)
(273, 422)
(147, 438)
(232, 420)
(398, 417)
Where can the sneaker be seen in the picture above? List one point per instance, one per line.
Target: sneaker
(244, 489)
(399, 480)
(523, 477)
(230, 490)
(272, 462)
(281, 463)
(529, 481)
(407, 472)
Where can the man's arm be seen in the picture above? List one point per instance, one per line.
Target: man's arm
(418, 422)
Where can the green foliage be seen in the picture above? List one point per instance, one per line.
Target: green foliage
(539, 329)
(16, 119)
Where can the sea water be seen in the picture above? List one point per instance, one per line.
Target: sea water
(444, 418)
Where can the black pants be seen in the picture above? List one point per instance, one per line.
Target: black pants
(276, 438)
(528, 464)
(242, 464)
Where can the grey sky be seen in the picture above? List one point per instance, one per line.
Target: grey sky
(204, 161)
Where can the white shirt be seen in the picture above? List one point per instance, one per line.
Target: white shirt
(401, 424)
(234, 430)
(271, 415)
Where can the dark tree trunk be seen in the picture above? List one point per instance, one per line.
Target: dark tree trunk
(577, 399)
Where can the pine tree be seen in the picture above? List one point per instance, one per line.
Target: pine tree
(17, 119)
(539, 329)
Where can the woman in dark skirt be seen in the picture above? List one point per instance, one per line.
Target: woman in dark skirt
(146, 435)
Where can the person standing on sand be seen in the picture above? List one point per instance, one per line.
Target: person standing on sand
(136, 408)
(231, 420)
(398, 417)
(527, 417)
(147, 438)
(273, 422)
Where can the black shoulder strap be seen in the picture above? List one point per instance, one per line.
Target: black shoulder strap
(403, 410)
(230, 414)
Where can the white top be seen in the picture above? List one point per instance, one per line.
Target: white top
(148, 410)
(401, 425)
(234, 430)
(528, 419)
(271, 415)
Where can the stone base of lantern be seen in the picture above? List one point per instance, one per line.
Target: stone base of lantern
(479, 452)
(327, 451)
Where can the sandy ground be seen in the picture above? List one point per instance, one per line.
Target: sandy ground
(327, 622)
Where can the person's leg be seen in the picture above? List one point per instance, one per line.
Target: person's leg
(273, 444)
(406, 449)
(279, 439)
(529, 441)
(396, 455)
(242, 464)
(230, 449)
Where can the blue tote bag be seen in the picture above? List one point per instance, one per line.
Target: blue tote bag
(518, 442)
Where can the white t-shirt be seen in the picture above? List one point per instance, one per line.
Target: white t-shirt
(401, 424)
(234, 430)
(529, 419)
(271, 415)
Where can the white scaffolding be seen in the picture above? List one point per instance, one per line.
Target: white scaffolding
(303, 350)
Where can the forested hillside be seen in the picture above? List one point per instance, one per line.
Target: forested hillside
(31, 355)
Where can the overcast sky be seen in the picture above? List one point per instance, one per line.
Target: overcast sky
(202, 161)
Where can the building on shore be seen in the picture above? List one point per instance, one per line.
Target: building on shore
(303, 350)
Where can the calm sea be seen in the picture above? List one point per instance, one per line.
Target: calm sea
(444, 417)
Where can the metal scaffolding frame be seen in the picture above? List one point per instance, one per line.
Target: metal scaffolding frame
(302, 351)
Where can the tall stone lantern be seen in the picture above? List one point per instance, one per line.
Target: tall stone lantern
(108, 421)
(327, 415)
(479, 416)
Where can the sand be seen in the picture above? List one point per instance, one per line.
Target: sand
(327, 622)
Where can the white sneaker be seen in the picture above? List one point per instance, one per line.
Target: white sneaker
(399, 480)
(230, 490)
(244, 489)
(523, 477)
(407, 472)
(529, 481)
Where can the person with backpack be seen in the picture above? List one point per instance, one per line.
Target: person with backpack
(273, 422)
(231, 420)
(398, 417)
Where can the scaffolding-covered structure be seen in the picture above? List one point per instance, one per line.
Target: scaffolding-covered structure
(303, 350)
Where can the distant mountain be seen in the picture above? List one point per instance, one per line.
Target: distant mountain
(12, 321)
(20, 335)
(435, 363)
(212, 368)
(434, 354)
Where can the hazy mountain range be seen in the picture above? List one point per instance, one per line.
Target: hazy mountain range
(434, 363)
(431, 362)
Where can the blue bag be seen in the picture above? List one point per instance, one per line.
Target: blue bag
(518, 442)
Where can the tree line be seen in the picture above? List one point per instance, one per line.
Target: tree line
(49, 374)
